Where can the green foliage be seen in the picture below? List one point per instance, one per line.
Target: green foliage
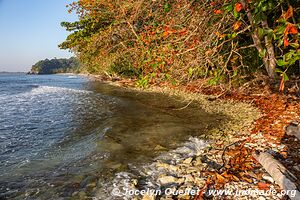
(123, 66)
(143, 82)
(167, 7)
(83, 30)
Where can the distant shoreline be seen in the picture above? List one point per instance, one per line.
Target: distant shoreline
(12, 72)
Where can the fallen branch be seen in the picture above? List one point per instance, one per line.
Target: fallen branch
(224, 151)
(184, 106)
(279, 173)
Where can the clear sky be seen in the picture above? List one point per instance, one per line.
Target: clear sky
(30, 31)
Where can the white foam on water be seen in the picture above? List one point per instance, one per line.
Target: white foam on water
(72, 77)
(126, 181)
(52, 89)
(42, 90)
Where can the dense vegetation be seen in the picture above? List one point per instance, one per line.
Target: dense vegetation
(180, 41)
(55, 65)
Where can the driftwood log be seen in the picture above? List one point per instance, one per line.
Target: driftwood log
(279, 173)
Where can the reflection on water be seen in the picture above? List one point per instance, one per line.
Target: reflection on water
(66, 135)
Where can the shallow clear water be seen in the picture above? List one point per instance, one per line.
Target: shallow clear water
(60, 134)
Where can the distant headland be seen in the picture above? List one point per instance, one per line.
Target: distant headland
(55, 65)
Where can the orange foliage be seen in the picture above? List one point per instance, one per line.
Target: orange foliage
(289, 13)
(286, 42)
(238, 7)
(263, 186)
(290, 29)
(213, 3)
(217, 12)
(237, 25)
(168, 31)
(293, 30)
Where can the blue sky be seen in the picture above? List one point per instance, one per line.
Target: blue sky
(30, 31)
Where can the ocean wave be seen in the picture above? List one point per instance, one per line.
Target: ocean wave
(53, 89)
(42, 90)
(72, 77)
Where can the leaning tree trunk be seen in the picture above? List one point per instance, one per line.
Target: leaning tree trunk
(270, 54)
(267, 50)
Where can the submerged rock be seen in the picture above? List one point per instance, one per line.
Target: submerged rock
(160, 148)
(166, 166)
(167, 180)
(82, 195)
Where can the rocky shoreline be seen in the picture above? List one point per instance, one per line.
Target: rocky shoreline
(197, 164)
(207, 164)
(176, 174)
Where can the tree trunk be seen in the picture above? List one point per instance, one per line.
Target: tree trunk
(270, 54)
(267, 53)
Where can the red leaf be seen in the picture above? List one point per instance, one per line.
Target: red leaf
(238, 7)
(290, 29)
(289, 13)
(263, 186)
(286, 42)
(217, 12)
(293, 30)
